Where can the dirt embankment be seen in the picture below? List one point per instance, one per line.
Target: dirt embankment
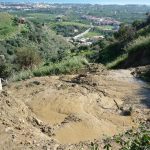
(62, 112)
(142, 72)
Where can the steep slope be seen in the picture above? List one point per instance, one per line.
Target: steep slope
(63, 112)
(138, 52)
(130, 46)
(29, 35)
(18, 125)
(7, 26)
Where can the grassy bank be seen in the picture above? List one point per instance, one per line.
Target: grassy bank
(68, 66)
(7, 28)
(136, 53)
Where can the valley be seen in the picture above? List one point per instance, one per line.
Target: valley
(74, 76)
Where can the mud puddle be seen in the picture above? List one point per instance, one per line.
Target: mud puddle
(83, 110)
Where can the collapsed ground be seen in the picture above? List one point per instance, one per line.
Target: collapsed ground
(70, 111)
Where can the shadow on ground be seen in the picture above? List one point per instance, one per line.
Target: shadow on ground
(144, 93)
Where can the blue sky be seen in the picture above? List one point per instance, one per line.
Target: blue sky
(86, 1)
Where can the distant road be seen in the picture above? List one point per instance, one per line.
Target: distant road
(82, 34)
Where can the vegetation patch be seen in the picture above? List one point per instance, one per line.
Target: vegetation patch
(69, 29)
(142, 43)
(117, 61)
(132, 139)
(68, 66)
(130, 46)
(7, 26)
(91, 34)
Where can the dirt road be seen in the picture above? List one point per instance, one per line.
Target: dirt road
(82, 34)
(61, 111)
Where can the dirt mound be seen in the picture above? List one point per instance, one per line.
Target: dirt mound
(16, 131)
(62, 112)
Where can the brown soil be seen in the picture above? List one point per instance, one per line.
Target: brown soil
(64, 112)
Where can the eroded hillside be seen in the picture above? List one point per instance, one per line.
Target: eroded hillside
(67, 112)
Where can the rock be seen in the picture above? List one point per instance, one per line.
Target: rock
(71, 118)
(74, 85)
(18, 128)
(13, 136)
(5, 93)
(36, 82)
(94, 84)
(127, 111)
(47, 130)
(36, 121)
(8, 129)
(31, 84)
(45, 148)
(8, 103)
(34, 141)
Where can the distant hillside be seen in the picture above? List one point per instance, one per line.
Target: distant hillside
(130, 46)
(26, 39)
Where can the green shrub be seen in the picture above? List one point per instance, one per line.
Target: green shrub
(7, 27)
(133, 139)
(137, 139)
(27, 57)
(142, 43)
(125, 34)
(70, 65)
(113, 56)
(117, 61)
(22, 75)
(144, 31)
(63, 67)
(111, 52)
(5, 70)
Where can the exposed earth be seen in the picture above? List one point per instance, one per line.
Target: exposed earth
(67, 112)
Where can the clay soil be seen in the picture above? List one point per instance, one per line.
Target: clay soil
(68, 112)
